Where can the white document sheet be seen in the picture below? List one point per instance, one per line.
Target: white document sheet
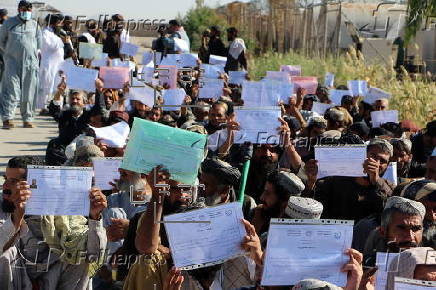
(217, 60)
(79, 78)
(329, 80)
(292, 70)
(211, 90)
(375, 94)
(260, 94)
(258, 125)
(306, 249)
(114, 136)
(321, 108)
(129, 49)
(59, 190)
(173, 97)
(340, 160)
(358, 88)
(147, 58)
(383, 262)
(211, 71)
(412, 284)
(391, 173)
(216, 239)
(280, 76)
(237, 77)
(336, 95)
(145, 95)
(380, 117)
(105, 171)
(102, 61)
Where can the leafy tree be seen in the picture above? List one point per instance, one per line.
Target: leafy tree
(199, 19)
(419, 10)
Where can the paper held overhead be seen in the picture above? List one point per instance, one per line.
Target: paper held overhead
(258, 126)
(215, 235)
(375, 94)
(358, 87)
(292, 70)
(280, 76)
(340, 160)
(237, 77)
(145, 95)
(308, 83)
(174, 98)
(114, 77)
(336, 95)
(129, 49)
(380, 117)
(217, 60)
(90, 50)
(184, 150)
(329, 80)
(114, 136)
(79, 78)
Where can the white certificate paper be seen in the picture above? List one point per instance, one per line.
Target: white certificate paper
(340, 160)
(216, 239)
(258, 125)
(59, 190)
(105, 171)
(302, 249)
(383, 262)
(412, 284)
(380, 117)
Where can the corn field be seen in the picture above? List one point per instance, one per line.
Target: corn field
(414, 97)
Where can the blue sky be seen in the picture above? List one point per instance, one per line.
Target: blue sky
(136, 9)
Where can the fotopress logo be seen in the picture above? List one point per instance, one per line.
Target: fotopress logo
(105, 22)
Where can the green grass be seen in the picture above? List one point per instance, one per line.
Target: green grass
(414, 99)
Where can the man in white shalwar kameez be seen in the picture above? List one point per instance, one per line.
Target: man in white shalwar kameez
(52, 55)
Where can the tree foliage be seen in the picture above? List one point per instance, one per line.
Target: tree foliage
(199, 19)
(419, 10)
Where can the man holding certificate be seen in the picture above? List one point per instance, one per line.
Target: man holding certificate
(353, 198)
(61, 251)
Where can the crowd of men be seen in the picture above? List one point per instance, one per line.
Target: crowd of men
(119, 245)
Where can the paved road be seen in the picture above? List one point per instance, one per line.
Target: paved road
(22, 141)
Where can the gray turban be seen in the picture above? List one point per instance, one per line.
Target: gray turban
(384, 144)
(405, 265)
(398, 202)
(291, 182)
(308, 284)
(223, 171)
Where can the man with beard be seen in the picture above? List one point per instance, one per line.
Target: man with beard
(55, 243)
(73, 121)
(219, 179)
(353, 198)
(265, 159)
(152, 244)
(401, 228)
(424, 191)
(406, 166)
(280, 185)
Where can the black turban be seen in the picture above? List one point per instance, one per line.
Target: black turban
(223, 171)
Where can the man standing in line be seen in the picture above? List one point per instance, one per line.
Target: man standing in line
(236, 51)
(20, 40)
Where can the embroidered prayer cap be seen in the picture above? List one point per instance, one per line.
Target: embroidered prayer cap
(303, 208)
